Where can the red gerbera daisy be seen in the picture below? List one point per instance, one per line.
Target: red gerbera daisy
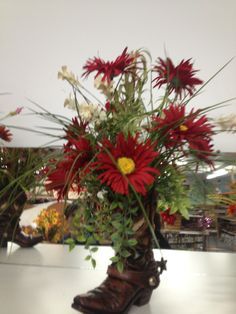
(68, 172)
(179, 128)
(109, 69)
(128, 162)
(178, 79)
(5, 134)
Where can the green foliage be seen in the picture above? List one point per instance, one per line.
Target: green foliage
(104, 222)
(19, 171)
(172, 192)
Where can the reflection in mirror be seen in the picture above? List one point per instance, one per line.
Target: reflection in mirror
(212, 221)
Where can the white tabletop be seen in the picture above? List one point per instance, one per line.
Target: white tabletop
(44, 280)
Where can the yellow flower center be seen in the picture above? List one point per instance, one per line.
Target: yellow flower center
(126, 165)
(183, 128)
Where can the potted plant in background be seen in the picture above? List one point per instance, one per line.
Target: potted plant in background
(122, 153)
(17, 176)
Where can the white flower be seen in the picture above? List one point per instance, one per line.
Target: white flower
(101, 194)
(92, 113)
(70, 103)
(83, 195)
(104, 86)
(64, 74)
(102, 115)
(227, 123)
(87, 111)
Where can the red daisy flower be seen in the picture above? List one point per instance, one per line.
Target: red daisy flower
(5, 134)
(109, 69)
(127, 162)
(75, 129)
(178, 128)
(180, 79)
(68, 172)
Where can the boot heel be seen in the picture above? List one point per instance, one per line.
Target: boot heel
(144, 298)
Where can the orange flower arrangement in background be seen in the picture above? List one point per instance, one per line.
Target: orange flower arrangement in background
(52, 224)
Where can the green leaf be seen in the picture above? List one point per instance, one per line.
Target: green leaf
(125, 253)
(173, 210)
(120, 266)
(117, 247)
(93, 262)
(81, 238)
(115, 259)
(71, 243)
(94, 249)
(184, 212)
(89, 228)
(88, 257)
(132, 242)
(113, 206)
(116, 224)
(90, 241)
(115, 236)
(120, 205)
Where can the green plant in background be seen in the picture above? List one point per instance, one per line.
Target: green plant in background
(173, 192)
(19, 169)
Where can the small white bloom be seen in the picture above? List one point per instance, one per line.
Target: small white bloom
(87, 111)
(104, 86)
(102, 116)
(64, 74)
(227, 123)
(92, 113)
(101, 194)
(99, 116)
(83, 195)
(99, 83)
(70, 103)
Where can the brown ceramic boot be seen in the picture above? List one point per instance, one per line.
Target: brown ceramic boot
(10, 229)
(17, 236)
(119, 291)
(134, 286)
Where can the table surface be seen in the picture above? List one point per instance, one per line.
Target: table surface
(44, 280)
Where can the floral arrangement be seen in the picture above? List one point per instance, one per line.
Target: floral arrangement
(52, 224)
(127, 147)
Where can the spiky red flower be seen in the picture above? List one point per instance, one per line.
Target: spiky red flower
(75, 129)
(180, 78)
(5, 134)
(109, 69)
(128, 162)
(179, 128)
(68, 172)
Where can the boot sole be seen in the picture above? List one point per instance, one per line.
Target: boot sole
(140, 299)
